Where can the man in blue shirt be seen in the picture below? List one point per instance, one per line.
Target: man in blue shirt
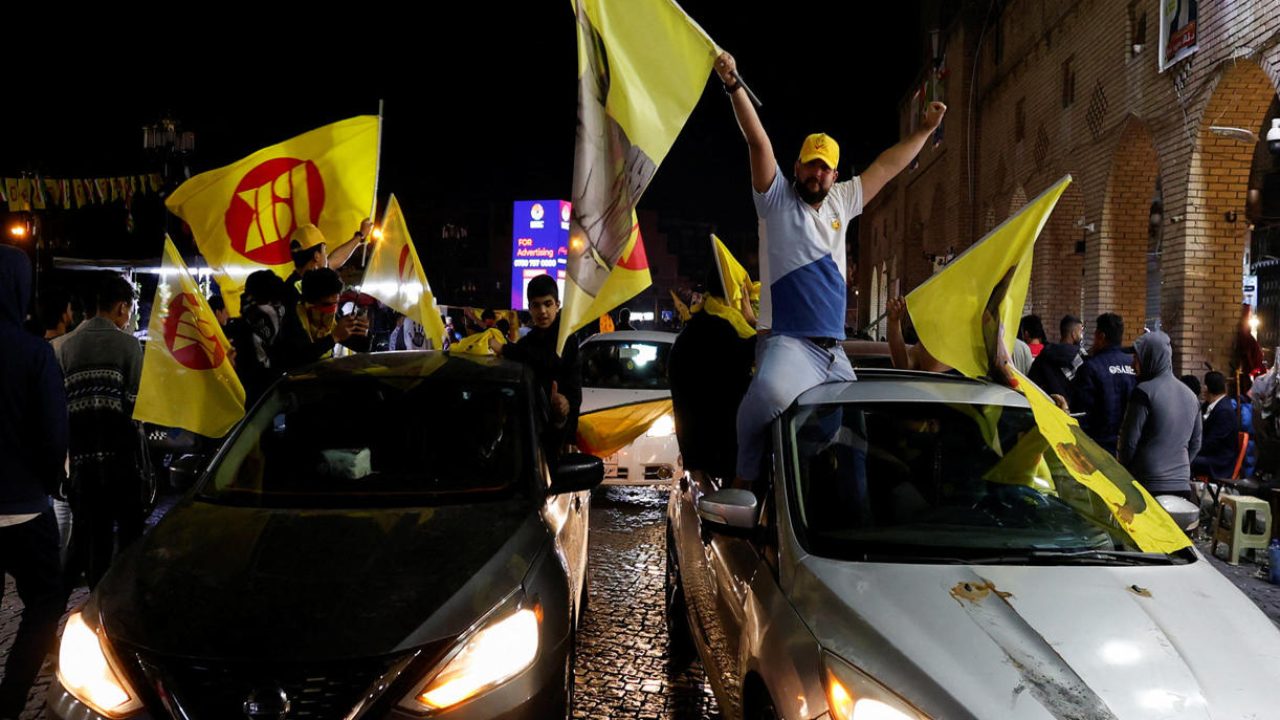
(802, 264)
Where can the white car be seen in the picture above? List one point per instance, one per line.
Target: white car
(623, 368)
(906, 558)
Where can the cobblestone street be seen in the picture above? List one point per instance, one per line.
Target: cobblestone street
(623, 668)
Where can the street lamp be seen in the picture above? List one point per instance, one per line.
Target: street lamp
(18, 230)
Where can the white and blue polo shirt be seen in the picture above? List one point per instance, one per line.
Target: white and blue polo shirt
(802, 258)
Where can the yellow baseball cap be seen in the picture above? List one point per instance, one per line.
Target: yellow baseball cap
(305, 237)
(820, 146)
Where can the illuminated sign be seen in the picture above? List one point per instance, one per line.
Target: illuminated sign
(539, 245)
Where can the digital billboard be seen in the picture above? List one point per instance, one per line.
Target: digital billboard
(539, 245)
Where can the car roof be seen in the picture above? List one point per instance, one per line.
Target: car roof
(414, 363)
(633, 336)
(885, 385)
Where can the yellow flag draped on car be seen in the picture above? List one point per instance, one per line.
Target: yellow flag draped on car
(395, 276)
(605, 432)
(1096, 469)
(641, 68)
(187, 377)
(950, 310)
(244, 214)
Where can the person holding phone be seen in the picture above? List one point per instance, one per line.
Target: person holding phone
(313, 328)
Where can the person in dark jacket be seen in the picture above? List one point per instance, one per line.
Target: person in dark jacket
(313, 327)
(262, 312)
(1054, 367)
(709, 371)
(559, 376)
(1162, 426)
(1103, 383)
(1220, 443)
(33, 441)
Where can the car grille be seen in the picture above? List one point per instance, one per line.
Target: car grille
(217, 691)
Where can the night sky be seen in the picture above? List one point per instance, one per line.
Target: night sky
(480, 100)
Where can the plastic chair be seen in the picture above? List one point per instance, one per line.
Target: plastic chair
(1240, 536)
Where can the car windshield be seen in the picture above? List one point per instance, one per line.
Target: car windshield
(901, 480)
(625, 365)
(368, 441)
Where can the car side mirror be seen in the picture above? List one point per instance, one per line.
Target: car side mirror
(730, 509)
(184, 471)
(1186, 514)
(576, 472)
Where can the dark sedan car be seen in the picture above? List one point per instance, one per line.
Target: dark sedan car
(382, 537)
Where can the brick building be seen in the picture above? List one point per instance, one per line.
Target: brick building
(1157, 221)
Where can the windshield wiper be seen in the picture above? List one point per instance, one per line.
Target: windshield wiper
(1083, 557)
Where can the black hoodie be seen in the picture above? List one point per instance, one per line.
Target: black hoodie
(1161, 430)
(1054, 367)
(33, 406)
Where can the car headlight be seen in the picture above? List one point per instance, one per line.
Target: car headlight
(854, 695)
(662, 427)
(87, 672)
(501, 649)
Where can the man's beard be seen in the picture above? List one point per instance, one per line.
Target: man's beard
(812, 197)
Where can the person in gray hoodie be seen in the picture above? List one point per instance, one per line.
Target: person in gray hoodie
(1161, 430)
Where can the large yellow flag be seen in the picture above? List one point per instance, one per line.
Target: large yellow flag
(187, 377)
(641, 68)
(395, 275)
(950, 310)
(244, 214)
(966, 317)
(605, 432)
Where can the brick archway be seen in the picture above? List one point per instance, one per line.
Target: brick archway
(1056, 272)
(1116, 252)
(1204, 253)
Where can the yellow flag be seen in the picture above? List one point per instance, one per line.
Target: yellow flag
(187, 377)
(244, 214)
(732, 274)
(478, 344)
(641, 68)
(1128, 502)
(395, 275)
(951, 310)
(681, 308)
(604, 432)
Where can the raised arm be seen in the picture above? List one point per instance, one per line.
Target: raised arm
(343, 252)
(763, 163)
(895, 159)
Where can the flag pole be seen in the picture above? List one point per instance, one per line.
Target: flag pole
(373, 202)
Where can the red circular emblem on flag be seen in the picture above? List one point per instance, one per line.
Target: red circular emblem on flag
(191, 341)
(404, 268)
(271, 201)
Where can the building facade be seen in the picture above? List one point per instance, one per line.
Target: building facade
(1168, 167)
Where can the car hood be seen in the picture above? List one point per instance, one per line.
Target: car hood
(234, 582)
(1039, 642)
(602, 398)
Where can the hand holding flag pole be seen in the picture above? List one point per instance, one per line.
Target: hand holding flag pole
(747, 88)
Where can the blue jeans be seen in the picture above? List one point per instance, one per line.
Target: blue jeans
(785, 368)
